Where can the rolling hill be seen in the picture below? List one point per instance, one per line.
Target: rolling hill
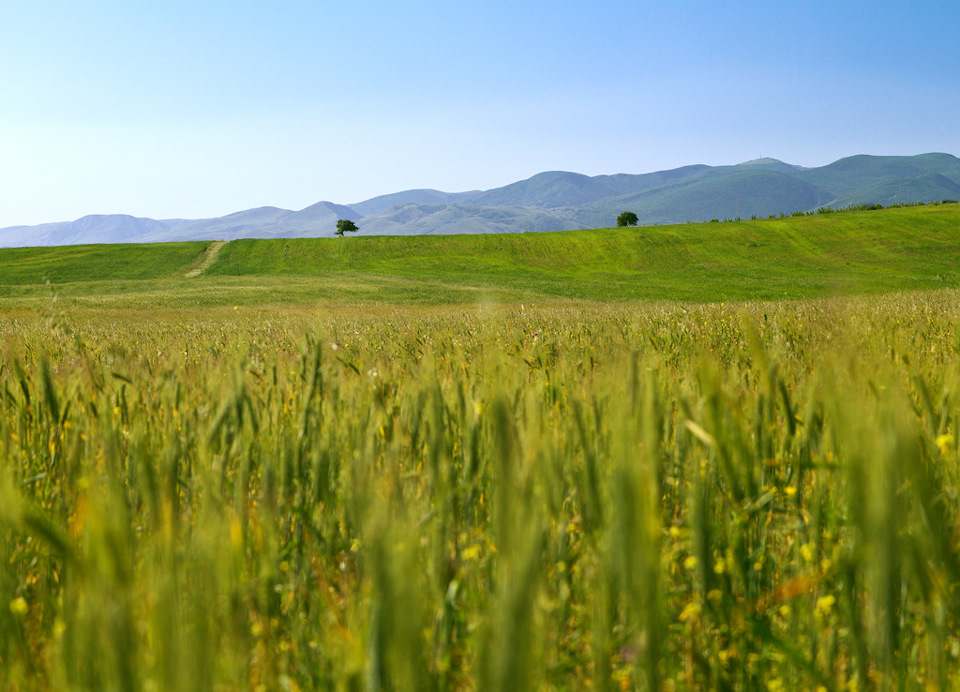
(552, 201)
(916, 247)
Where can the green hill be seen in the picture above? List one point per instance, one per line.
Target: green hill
(817, 255)
(547, 190)
(725, 195)
(854, 173)
(929, 187)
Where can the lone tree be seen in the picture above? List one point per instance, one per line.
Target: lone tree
(346, 226)
(627, 218)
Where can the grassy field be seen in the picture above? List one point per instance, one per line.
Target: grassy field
(487, 494)
(812, 256)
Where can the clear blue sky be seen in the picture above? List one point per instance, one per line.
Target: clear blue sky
(201, 108)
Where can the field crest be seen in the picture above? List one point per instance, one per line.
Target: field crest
(862, 252)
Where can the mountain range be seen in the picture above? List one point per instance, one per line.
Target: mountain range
(551, 201)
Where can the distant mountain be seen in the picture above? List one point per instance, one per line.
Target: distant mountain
(846, 176)
(770, 165)
(741, 192)
(546, 190)
(930, 187)
(110, 228)
(551, 201)
(429, 219)
(396, 199)
(315, 221)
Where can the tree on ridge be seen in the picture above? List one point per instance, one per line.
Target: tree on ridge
(346, 226)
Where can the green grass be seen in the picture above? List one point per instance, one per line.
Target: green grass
(82, 263)
(812, 256)
(795, 257)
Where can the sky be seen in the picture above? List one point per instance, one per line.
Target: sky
(199, 108)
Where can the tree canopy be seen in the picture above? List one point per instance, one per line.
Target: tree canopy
(627, 218)
(346, 226)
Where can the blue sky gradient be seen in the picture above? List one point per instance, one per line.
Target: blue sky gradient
(195, 109)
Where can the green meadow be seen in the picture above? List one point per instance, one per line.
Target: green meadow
(707, 456)
(848, 253)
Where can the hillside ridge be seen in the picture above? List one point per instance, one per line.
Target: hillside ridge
(820, 254)
(551, 201)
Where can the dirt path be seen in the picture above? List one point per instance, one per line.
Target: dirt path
(209, 257)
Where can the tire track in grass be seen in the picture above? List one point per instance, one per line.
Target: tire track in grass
(209, 257)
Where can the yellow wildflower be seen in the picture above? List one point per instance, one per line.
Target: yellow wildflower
(18, 606)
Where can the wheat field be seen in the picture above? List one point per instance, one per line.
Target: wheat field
(649, 496)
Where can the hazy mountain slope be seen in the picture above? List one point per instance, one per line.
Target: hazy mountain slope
(624, 183)
(553, 200)
(729, 194)
(431, 219)
(848, 175)
(557, 189)
(546, 190)
(96, 228)
(322, 211)
(396, 199)
(261, 222)
(931, 187)
(315, 221)
(768, 164)
(944, 164)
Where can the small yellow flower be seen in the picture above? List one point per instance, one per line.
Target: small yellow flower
(18, 606)
(691, 612)
(690, 562)
(945, 443)
(825, 604)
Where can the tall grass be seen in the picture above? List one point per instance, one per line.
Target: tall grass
(646, 497)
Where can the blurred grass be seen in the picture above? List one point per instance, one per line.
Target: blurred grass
(673, 496)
